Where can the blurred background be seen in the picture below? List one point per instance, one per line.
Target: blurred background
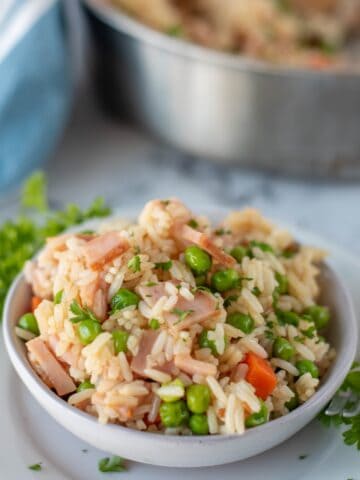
(257, 105)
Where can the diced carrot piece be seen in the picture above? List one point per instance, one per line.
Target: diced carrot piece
(260, 375)
(35, 302)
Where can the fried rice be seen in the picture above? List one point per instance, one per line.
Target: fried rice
(172, 327)
(311, 33)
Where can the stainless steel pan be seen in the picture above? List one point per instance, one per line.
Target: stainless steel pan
(225, 107)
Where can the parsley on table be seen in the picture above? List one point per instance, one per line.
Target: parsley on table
(351, 434)
(21, 238)
(135, 264)
(164, 265)
(36, 467)
(80, 313)
(111, 464)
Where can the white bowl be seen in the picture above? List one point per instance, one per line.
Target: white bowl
(191, 451)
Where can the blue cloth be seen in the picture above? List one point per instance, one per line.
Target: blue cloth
(34, 85)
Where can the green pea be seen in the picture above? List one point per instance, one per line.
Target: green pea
(120, 338)
(174, 414)
(319, 315)
(265, 247)
(28, 322)
(283, 349)
(85, 385)
(353, 379)
(154, 324)
(198, 260)
(239, 253)
(283, 283)
(198, 424)
(88, 330)
(225, 280)
(292, 403)
(243, 322)
(124, 298)
(258, 418)
(307, 366)
(204, 342)
(290, 318)
(198, 398)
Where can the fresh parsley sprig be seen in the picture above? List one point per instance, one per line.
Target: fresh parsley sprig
(351, 435)
(21, 238)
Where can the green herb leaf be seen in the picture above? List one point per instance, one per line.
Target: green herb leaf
(34, 192)
(230, 299)
(150, 284)
(222, 231)
(111, 464)
(175, 31)
(193, 223)
(164, 265)
(182, 314)
(135, 264)
(20, 239)
(58, 297)
(81, 314)
(36, 467)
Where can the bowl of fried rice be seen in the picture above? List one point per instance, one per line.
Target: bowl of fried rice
(178, 341)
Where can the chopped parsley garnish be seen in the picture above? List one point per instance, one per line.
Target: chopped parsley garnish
(269, 335)
(21, 238)
(299, 339)
(193, 223)
(58, 297)
(150, 284)
(200, 288)
(265, 247)
(182, 314)
(309, 332)
(222, 231)
(80, 313)
(164, 265)
(135, 264)
(111, 464)
(36, 467)
(154, 324)
(230, 299)
(175, 31)
(256, 291)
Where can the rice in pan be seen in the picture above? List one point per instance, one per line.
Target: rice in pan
(173, 325)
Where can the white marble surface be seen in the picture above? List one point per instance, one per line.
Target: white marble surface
(100, 157)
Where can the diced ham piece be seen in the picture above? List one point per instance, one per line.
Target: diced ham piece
(191, 366)
(201, 308)
(203, 241)
(138, 363)
(104, 248)
(50, 367)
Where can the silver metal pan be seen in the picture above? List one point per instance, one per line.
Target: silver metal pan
(224, 107)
